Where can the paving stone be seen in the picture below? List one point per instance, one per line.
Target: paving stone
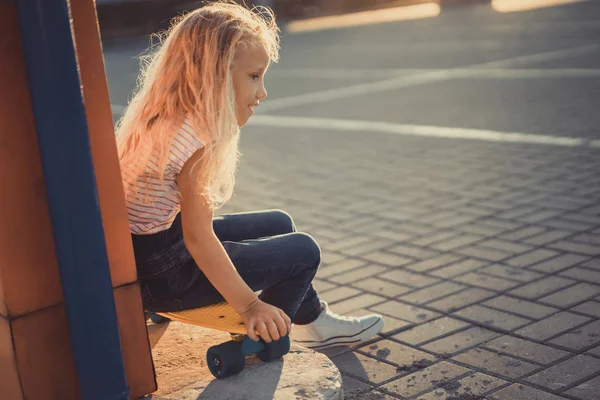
(404, 311)
(340, 267)
(566, 373)
(572, 295)
(393, 234)
(583, 274)
(430, 330)
(490, 317)
(588, 390)
(387, 259)
(460, 340)
(580, 338)
(432, 263)
(425, 379)
(470, 386)
(523, 233)
(366, 248)
(595, 351)
(369, 394)
(589, 308)
(501, 224)
(527, 350)
(453, 220)
(461, 299)
(542, 287)
(593, 263)
(365, 368)
(533, 257)
(431, 293)
(559, 263)
(540, 216)
(522, 392)
(486, 281)
(329, 257)
(361, 301)
(398, 354)
(566, 224)
(351, 385)
(548, 237)
(576, 247)
(357, 274)
(456, 242)
(513, 273)
(482, 229)
(340, 293)
(382, 287)
(496, 363)
(552, 325)
(518, 211)
(484, 253)
(520, 307)
(409, 278)
(416, 252)
(354, 240)
(458, 268)
(322, 285)
(505, 245)
(429, 239)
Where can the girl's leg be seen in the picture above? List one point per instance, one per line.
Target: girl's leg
(252, 225)
(282, 266)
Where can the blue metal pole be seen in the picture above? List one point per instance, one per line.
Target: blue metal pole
(72, 197)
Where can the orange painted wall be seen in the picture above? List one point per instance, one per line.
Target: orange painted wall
(35, 351)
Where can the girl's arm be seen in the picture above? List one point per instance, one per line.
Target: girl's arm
(210, 256)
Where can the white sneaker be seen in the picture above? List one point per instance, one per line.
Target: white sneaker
(331, 329)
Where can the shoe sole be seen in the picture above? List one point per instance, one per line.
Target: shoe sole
(363, 335)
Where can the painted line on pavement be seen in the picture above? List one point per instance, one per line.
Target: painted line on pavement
(419, 130)
(414, 80)
(463, 73)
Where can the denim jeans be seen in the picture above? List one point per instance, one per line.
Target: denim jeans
(265, 249)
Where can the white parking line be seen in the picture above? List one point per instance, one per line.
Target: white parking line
(463, 73)
(414, 80)
(419, 130)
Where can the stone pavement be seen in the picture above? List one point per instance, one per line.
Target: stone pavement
(483, 257)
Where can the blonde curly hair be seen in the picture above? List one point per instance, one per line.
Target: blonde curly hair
(188, 75)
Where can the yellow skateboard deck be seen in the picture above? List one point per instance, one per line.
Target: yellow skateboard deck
(221, 317)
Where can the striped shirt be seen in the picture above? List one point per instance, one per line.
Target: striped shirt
(154, 205)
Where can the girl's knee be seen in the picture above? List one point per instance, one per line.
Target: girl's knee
(309, 248)
(282, 220)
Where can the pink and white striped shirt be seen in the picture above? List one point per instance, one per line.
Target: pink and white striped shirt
(154, 206)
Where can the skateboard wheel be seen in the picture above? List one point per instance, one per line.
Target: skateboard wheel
(158, 319)
(275, 349)
(225, 359)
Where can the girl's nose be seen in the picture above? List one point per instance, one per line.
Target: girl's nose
(262, 93)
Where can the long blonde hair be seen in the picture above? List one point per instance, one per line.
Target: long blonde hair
(189, 76)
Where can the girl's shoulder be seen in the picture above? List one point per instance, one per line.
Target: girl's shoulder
(185, 143)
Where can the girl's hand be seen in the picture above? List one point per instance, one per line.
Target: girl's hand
(269, 322)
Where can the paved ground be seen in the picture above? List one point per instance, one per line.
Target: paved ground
(480, 248)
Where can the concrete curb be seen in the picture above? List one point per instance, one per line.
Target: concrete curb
(179, 353)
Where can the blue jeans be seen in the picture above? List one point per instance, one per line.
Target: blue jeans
(265, 249)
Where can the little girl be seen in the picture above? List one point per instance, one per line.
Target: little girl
(178, 148)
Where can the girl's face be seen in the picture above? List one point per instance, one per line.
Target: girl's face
(248, 72)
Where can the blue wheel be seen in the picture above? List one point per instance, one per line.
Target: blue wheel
(158, 319)
(274, 350)
(225, 360)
